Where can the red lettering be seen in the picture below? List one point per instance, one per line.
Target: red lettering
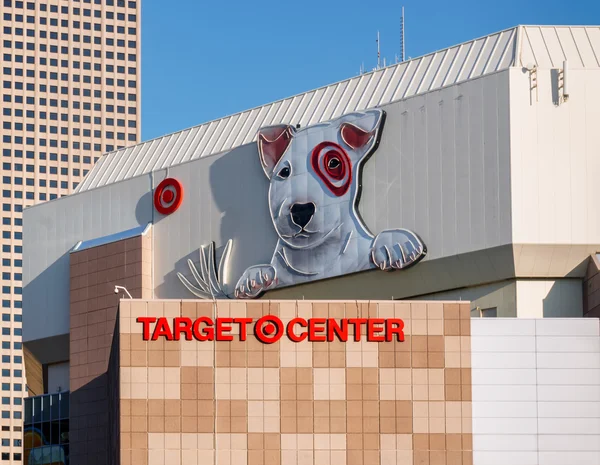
(372, 330)
(221, 327)
(333, 330)
(146, 320)
(162, 329)
(204, 334)
(313, 329)
(290, 329)
(390, 329)
(183, 324)
(357, 322)
(243, 322)
(269, 329)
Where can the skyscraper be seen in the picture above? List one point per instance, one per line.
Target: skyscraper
(70, 92)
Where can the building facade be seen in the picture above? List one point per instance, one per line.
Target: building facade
(70, 92)
(423, 195)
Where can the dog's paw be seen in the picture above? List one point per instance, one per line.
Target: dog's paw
(395, 249)
(255, 280)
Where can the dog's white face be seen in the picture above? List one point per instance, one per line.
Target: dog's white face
(314, 175)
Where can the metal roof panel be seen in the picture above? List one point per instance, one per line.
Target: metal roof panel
(545, 46)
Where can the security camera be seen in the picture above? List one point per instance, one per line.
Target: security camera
(124, 290)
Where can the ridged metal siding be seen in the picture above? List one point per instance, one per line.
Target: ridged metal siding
(549, 46)
(544, 46)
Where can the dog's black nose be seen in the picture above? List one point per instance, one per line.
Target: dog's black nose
(302, 213)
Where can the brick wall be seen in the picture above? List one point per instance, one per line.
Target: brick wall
(246, 403)
(93, 313)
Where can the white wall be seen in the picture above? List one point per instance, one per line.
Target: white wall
(443, 168)
(549, 298)
(554, 159)
(58, 377)
(536, 391)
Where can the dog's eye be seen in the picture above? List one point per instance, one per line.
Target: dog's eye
(333, 163)
(284, 172)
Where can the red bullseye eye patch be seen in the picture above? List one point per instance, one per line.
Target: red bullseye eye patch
(331, 163)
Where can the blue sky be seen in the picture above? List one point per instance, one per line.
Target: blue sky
(205, 59)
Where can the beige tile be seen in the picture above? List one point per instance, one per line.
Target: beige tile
(206, 441)
(172, 457)
(156, 457)
(156, 441)
(437, 425)
(173, 441)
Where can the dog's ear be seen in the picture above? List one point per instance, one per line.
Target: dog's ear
(272, 143)
(363, 131)
(354, 136)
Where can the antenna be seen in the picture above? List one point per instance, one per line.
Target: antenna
(402, 36)
(378, 52)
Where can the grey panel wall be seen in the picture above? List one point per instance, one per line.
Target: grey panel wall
(225, 198)
(53, 228)
(443, 168)
(536, 391)
(501, 295)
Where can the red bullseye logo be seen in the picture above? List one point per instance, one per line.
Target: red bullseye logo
(268, 329)
(168, 196)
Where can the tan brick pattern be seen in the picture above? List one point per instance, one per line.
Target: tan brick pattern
(247, 403)
(93, 312)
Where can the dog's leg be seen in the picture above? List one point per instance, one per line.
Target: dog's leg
(395, 249)
(256, 280)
